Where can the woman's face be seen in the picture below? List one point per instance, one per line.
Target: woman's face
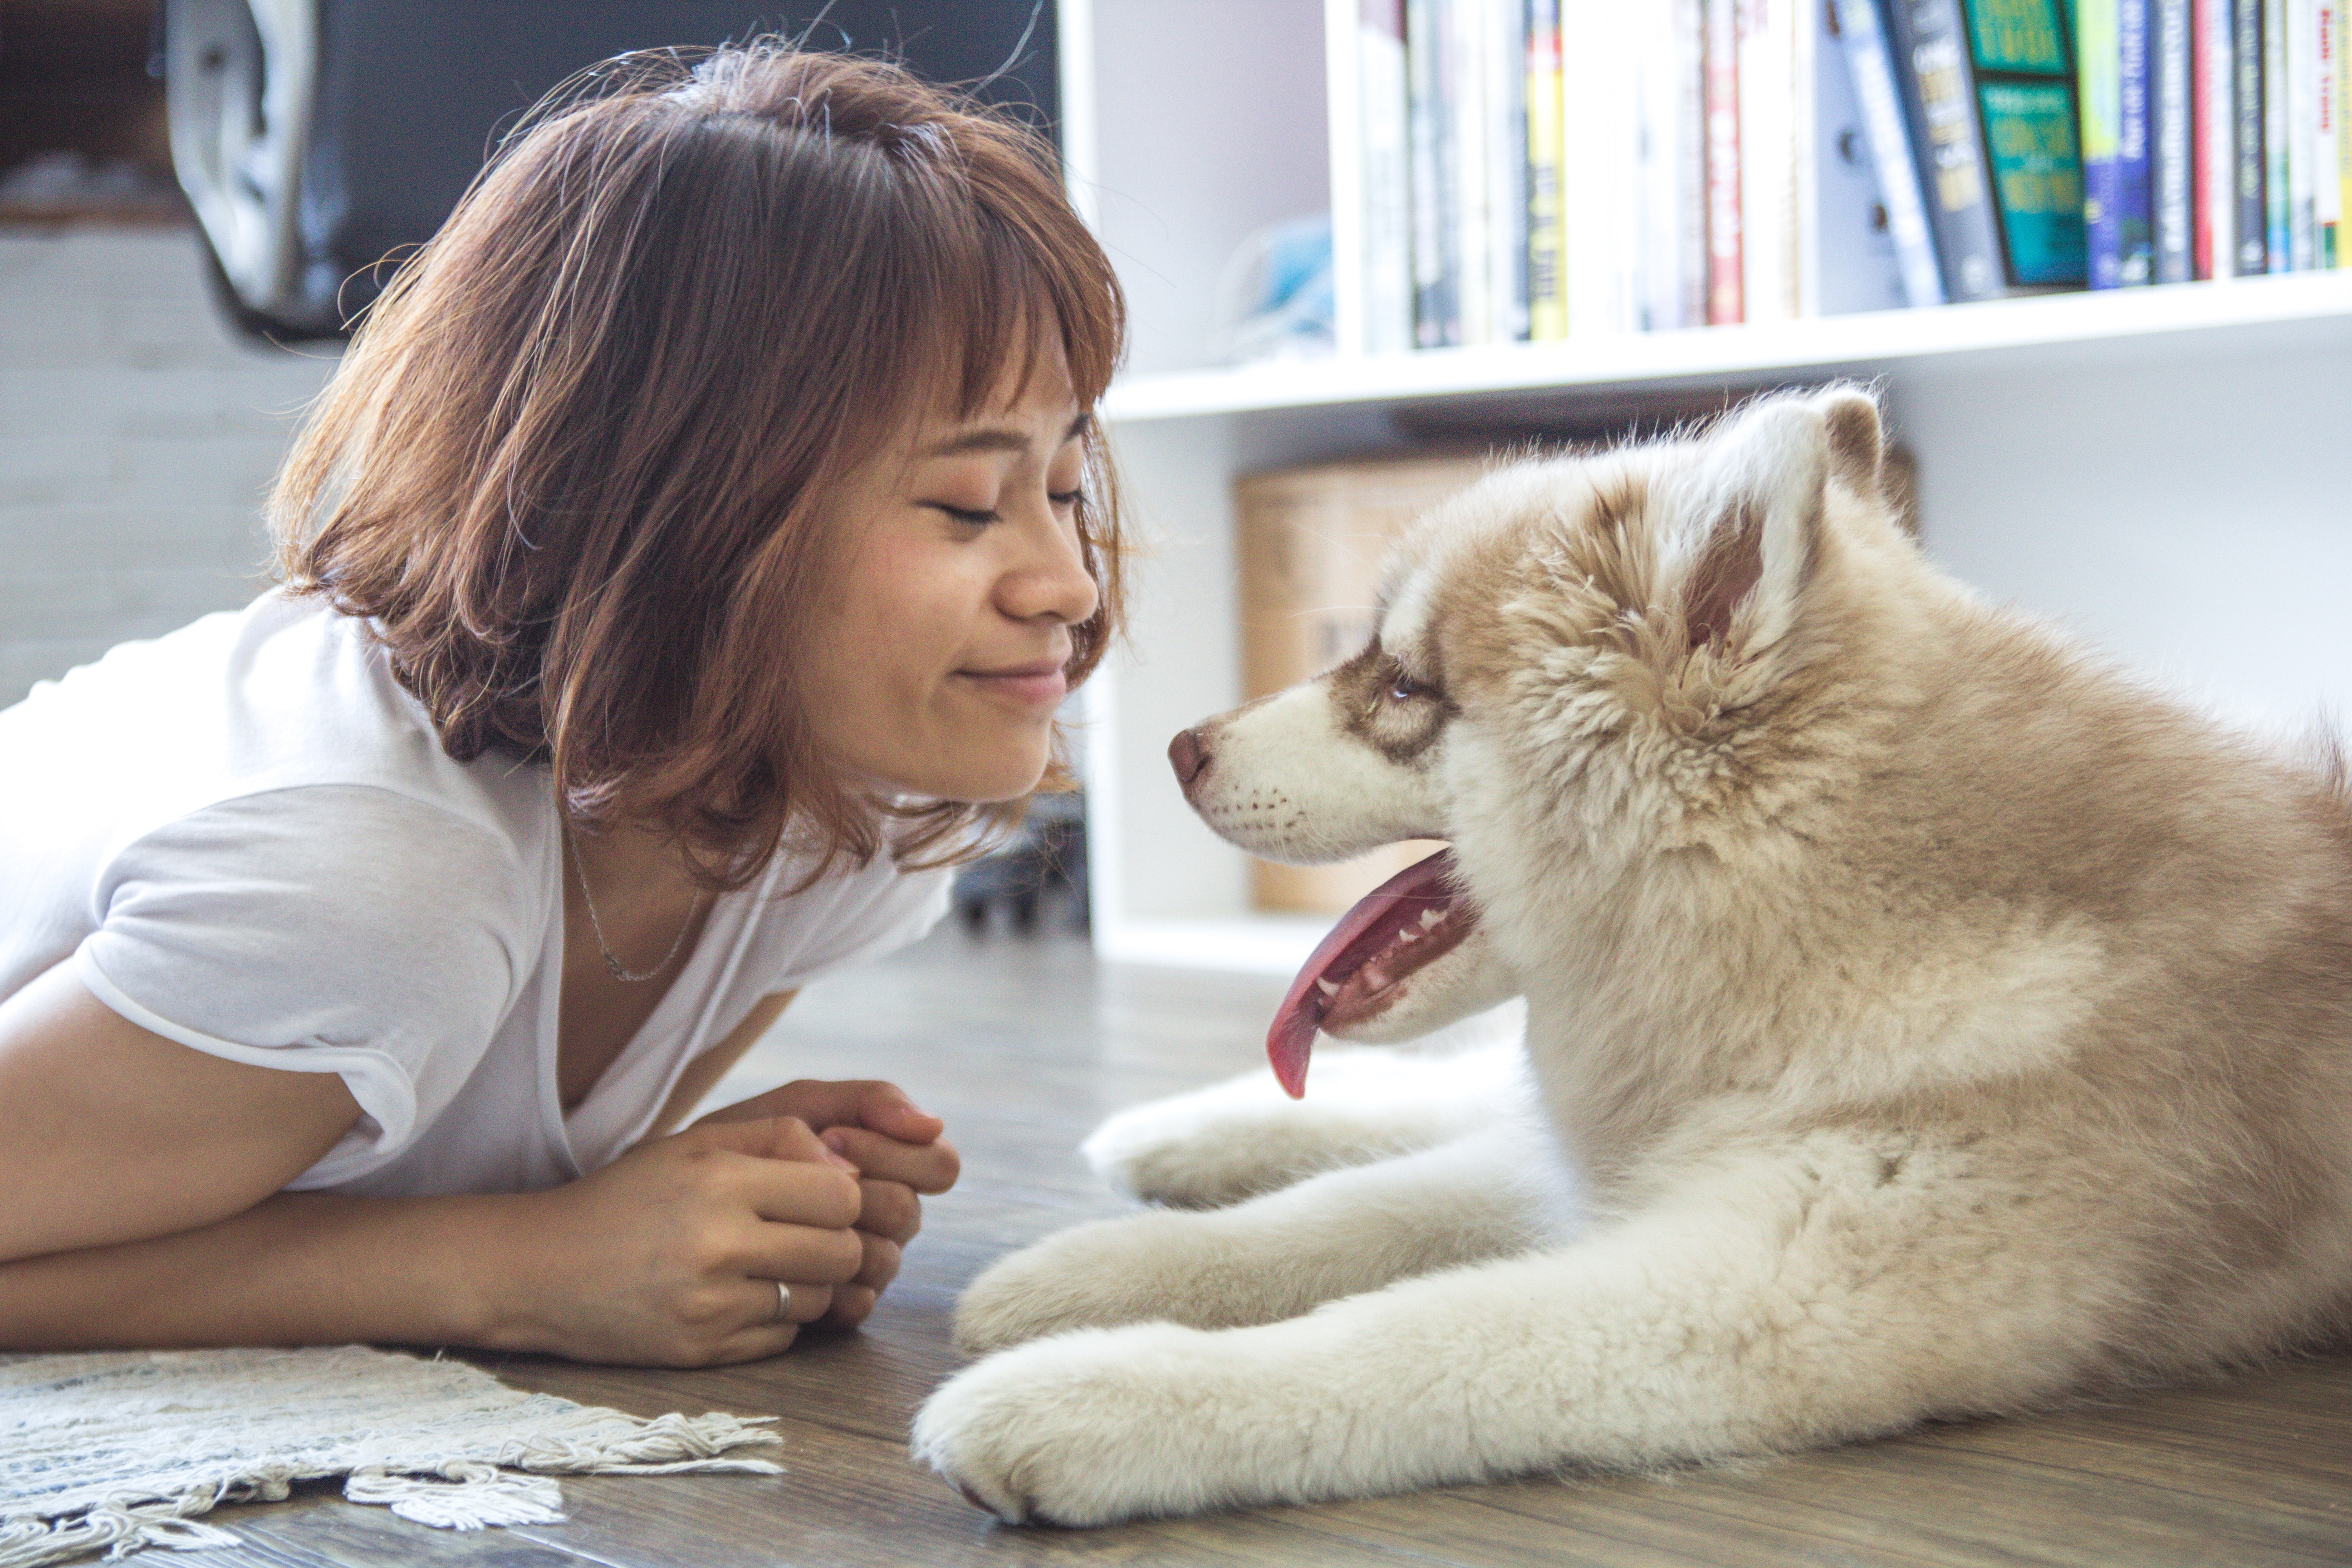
(936, 656)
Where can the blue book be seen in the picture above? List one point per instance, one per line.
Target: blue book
(2102, 117)
(2135, 196)
(2170, 167)
(1879, 102)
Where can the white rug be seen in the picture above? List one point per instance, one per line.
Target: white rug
(114, 1452)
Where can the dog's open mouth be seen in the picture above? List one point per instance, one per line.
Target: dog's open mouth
(1353, 974)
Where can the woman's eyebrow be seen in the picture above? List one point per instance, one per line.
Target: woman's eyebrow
(999, 440)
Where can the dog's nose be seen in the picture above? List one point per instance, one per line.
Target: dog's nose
(1188, 756)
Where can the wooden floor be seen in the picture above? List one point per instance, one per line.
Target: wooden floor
(1023, 1046)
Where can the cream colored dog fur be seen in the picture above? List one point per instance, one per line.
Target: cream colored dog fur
(1921, 1020)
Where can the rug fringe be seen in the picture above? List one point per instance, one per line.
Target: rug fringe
(117, 1532)
(467, 1496)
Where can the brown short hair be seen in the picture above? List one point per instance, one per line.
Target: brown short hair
(571, 464)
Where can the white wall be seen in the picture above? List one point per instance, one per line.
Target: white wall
(136, 438)
(2183, 502)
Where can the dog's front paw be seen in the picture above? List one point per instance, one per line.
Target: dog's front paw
(1094, 1276)
(1081, 1429)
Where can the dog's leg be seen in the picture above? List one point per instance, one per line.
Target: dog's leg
(1242, 1137)
(1346, 1231)
(1784, 1303)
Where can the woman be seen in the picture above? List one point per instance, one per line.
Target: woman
(696, 540)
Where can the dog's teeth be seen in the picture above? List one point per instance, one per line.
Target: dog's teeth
(1327, 987)
(1430, 917)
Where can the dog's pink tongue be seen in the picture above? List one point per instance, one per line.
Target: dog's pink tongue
(1376, 916)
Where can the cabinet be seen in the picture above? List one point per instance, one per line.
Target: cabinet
(2166, 470)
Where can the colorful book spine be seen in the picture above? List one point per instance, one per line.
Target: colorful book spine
(1437, 316)
(1547, 184)
(2170, 144)
(2211, 110)
(2344, 132)
(1931, 41)
(2023, 74)
(2327, 187)
(2250, 156)
(2134, 185)
(1469, 37)
(1880, 101)
(2303, 117)
(1767, 93)
(1724, 274)
(1382, 98)
(1690, 161)
(2096, 24)
(2278, 138)
(1505, 140)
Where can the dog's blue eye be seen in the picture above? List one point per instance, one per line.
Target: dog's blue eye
(1405, 688)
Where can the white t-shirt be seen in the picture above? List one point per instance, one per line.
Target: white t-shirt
(245, 837)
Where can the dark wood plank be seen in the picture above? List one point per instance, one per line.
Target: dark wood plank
(1024, 1047)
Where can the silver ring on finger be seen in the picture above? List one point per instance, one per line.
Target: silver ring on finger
(783, 1302)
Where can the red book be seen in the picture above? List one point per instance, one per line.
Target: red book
(1725, 303)
(2209, 111)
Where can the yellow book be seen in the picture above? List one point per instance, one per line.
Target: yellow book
(1546, 196)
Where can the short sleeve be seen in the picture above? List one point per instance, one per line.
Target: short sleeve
(340, 929)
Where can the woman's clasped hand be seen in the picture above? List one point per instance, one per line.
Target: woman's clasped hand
(673, 1252)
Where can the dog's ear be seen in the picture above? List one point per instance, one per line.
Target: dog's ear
(1753, 536)
(1858, 442)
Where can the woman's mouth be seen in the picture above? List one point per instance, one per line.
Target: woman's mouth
(1038, 684)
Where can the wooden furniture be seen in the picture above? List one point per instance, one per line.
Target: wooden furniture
(1022, 1046)
(2167, 468)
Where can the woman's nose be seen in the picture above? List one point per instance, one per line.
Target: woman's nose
(1054, 581)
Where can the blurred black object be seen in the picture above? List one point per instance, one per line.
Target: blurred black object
(315, 138)
(1044, 866)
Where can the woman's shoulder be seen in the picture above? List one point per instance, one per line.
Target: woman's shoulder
(283, 697)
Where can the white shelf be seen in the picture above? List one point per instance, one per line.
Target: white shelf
(1880, 337)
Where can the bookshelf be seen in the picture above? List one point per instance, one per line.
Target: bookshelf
(2167, 470)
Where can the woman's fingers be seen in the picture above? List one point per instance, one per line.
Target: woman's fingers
(870, 1103)
(925, 1167)
(801, 1254)
(890, 1210)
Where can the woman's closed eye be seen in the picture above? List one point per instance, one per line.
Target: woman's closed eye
(976, 516)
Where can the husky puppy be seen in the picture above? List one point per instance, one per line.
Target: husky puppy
(1921, 1021)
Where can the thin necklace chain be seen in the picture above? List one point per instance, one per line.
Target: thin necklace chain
(612, 964)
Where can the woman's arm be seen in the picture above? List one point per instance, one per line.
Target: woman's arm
(141, 1175)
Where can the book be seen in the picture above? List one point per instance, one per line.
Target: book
(2278, 137)
(2100, 81)
(1726, 272)
(2169, 143)
(1989, 88)
(2302, 118)
(2022, 59)
(1893, 160)
(1504, 135)
(1436, 266)
(2249, 154)
(1466, 91)
(1768, 158)
(2134, 192)
(1852, 261)
(1663, 101)
(1689, 21)
(1603, 134)
(2213, 113)
(2327, 184)
(1547, 248)
(1386, 200)
(2343, 13)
